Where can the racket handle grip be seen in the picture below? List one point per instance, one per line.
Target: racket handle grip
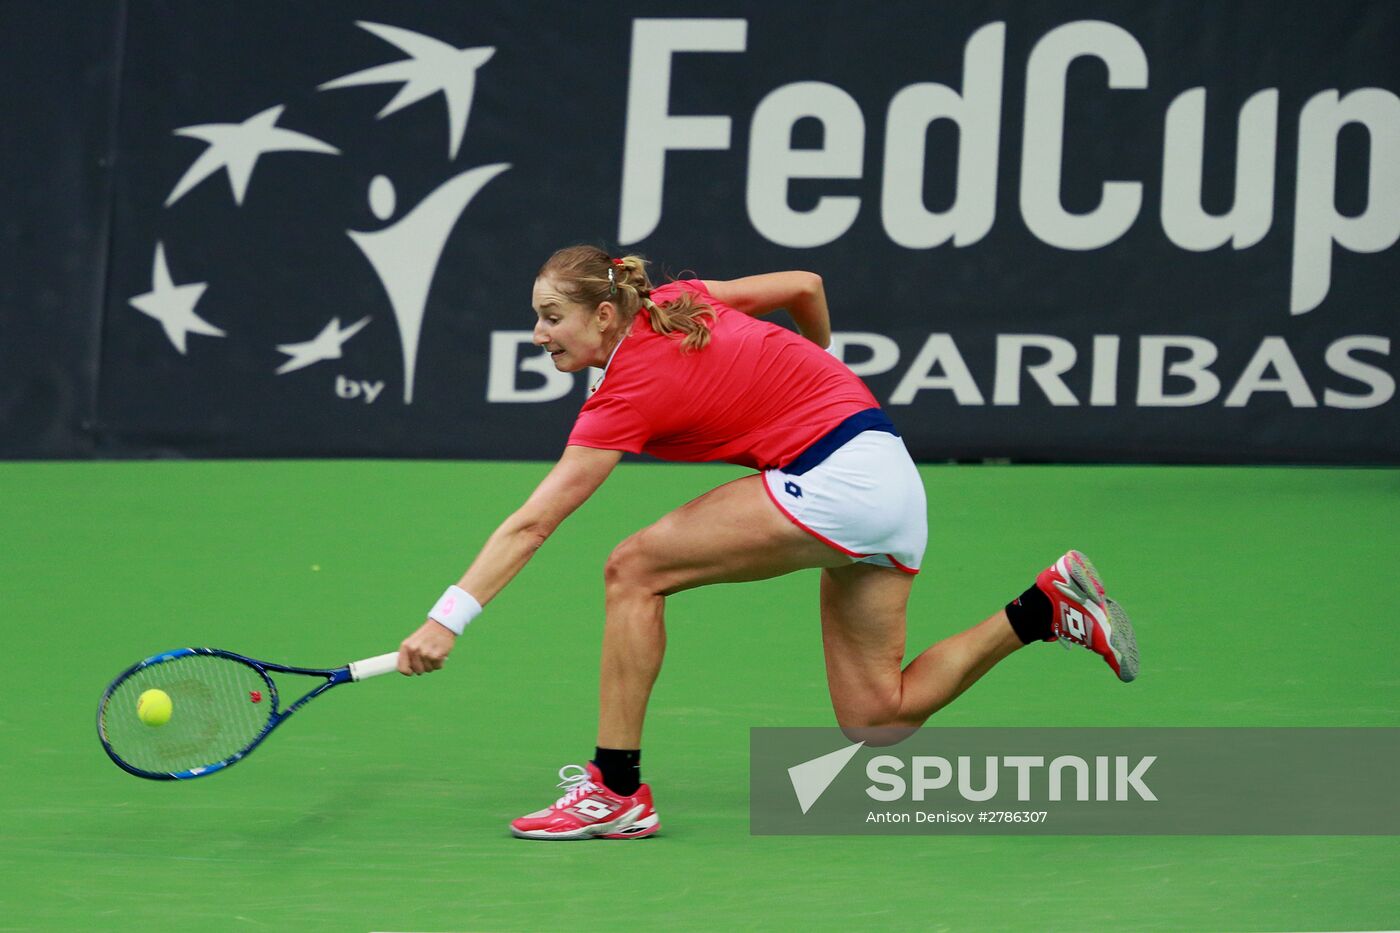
(373, 667)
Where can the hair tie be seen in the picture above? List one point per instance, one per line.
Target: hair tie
(617, 262)
(612, 282)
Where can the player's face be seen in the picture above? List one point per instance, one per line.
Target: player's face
(573, 335)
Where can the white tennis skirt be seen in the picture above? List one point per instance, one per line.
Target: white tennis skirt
(866, 500)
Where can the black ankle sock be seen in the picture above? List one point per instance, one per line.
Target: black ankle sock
(1030, 615)
(621, 767)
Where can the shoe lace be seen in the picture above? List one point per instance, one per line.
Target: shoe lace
(577, 781)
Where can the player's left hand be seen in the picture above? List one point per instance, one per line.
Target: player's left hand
(426, 649)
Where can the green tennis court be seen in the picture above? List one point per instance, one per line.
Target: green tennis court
(1262, 597)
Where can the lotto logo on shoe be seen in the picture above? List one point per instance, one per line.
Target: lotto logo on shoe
(592, 808)
(1074, 620)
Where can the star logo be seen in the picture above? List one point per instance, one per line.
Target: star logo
(404, 250)
(324, 346)
(173, 305)
(236, 147)
(433, 66)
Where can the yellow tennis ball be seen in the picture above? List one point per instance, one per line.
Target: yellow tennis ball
(153, 707)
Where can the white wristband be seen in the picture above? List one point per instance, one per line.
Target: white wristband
(455, 609)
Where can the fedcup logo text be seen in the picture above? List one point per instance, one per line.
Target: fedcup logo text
(1108, 781)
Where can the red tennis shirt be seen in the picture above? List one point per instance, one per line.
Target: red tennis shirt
(757, 395)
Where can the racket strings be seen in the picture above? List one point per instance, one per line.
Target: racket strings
(218, 707)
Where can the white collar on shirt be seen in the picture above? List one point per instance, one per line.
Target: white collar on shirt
(597, 383)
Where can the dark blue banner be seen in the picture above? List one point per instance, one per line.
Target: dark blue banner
(59, 64)
(1159, 231)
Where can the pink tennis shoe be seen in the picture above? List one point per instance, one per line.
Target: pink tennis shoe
(590, 811)
(1085, 615)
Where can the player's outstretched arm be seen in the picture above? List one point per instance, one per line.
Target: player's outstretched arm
(576, 476)
(800, 293)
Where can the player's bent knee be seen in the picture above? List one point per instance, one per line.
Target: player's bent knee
(879, 736)
(877, 725)
(627, 566)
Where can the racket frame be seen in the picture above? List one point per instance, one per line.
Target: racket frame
(333, 677)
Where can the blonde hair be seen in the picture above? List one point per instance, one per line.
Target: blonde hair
(589, 276)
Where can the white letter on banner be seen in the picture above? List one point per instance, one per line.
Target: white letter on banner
(882, 770)
(1152, 352)
(1133, 778)
(938, 350)
(1273, 351)
(506, 364)
(1023, 765)
(1081, 773)
(1343, 363)
(773, 162)
(884, 352)
(977, 114)
(1103, 391)
(988, 791)
(1183, 218)
(651, 130)
(1042, 144)
(1316, 223)
(943, 774)
(1007, 390)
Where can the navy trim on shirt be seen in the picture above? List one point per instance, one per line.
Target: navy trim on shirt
(871, 419)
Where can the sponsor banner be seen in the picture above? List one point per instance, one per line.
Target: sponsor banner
(58, 64)
(1116, 781)
(1160, 231)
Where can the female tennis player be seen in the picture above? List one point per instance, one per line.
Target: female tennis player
(690, 373)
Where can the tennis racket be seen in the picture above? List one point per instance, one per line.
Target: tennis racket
(223, 706)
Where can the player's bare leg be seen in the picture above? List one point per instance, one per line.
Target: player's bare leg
(728, 535)
(863, 637)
